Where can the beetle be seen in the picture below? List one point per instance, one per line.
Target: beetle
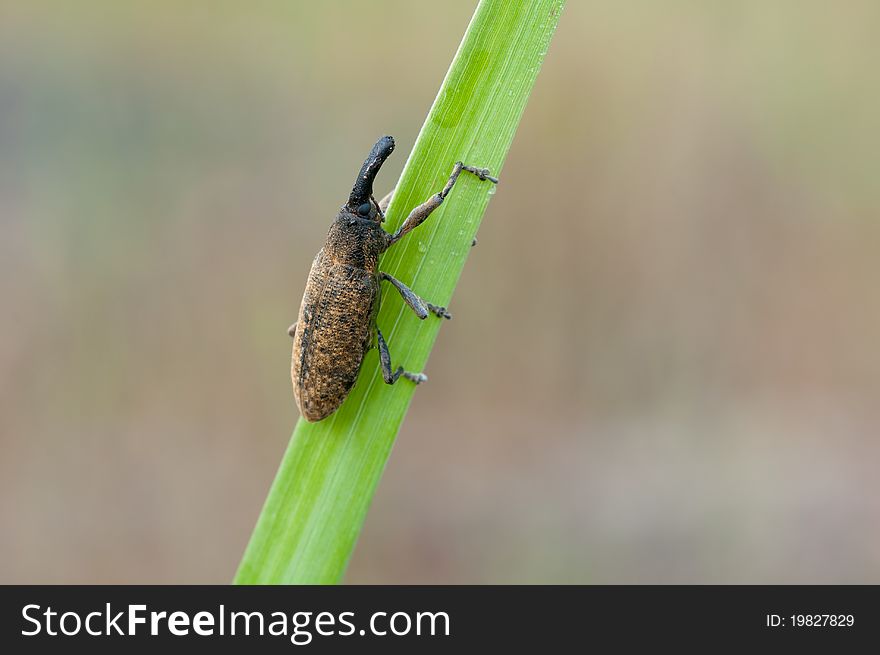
(336, 325)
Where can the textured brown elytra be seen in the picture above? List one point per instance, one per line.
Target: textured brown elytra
(337, 317)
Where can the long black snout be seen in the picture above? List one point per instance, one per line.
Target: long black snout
(363, 186)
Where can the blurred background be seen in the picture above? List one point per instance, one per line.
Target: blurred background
(664, 363)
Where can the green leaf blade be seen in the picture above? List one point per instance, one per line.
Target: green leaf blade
(328, 475)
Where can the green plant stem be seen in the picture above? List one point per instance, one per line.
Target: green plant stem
(322, 491)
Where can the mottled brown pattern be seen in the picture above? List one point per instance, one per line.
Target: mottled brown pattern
(336, 318)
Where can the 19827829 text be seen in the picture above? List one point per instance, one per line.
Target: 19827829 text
(810, 621)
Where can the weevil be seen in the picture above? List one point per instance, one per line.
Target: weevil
(337, 317)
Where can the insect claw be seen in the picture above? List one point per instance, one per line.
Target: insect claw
(439, 311)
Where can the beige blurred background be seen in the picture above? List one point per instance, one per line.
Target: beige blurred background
(663, 365)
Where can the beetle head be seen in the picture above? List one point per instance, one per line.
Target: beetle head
(361, 200)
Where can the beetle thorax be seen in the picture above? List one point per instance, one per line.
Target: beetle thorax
(355, 241)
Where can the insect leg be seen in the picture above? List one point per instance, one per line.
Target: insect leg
(418, 215)
(385, 360)
(419, 306)
(383, 204)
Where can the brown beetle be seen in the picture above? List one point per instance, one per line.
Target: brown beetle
(337, 317)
